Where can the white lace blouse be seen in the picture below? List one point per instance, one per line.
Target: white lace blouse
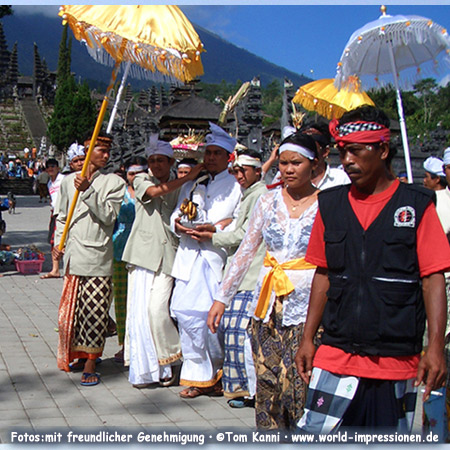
(285, 239)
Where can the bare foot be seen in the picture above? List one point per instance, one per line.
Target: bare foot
(51, 275)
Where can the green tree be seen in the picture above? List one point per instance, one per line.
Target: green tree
(272, 102)
(74, 113)
(5, 10)
(83, 109)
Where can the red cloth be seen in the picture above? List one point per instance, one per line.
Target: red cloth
(65, 321)
(433, 255)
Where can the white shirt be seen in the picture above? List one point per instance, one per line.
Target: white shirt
(222, 198)
(53, 189)
(333, 177)
(443, 208)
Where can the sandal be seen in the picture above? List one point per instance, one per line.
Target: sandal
(87, 375)
(193, 391)
(79, 365)
(166, 382)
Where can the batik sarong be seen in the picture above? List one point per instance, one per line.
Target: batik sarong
(280, 392)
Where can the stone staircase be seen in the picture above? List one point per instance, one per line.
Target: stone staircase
(14, 132)
(34, 119)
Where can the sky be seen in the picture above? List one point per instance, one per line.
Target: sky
(303, 37)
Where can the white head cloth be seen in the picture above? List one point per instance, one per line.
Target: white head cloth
(306, 152)
(220, 137)
(246, 160)
(157, 147)
(447, 156)
(434, 166)
(75, 150)
(287, 131)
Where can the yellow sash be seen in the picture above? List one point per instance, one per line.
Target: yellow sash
(277, 280)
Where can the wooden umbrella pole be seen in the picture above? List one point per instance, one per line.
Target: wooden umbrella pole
(95, 134)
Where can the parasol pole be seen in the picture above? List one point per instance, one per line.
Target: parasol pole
(118, 96)
(401, 115)
(98, 125)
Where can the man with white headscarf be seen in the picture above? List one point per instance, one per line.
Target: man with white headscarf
(152, 343)
(76, 156)
(434, 178)
(198, 269)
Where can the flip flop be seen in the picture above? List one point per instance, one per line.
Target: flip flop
(193, 392)
(87, 375)
(79, 365)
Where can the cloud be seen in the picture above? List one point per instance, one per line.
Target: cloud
(444, 81)
(34, 10)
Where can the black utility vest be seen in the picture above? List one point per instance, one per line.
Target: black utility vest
(375, 304)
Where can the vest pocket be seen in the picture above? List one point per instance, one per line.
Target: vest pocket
(399, 251)
(335, 248)
(331, 315)
(398, 318)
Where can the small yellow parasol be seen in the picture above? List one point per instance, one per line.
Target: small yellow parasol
(158, 40)
(324, 98)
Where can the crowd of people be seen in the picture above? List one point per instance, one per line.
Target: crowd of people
(306, 298)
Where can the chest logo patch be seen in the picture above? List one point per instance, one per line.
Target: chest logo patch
(405, 217)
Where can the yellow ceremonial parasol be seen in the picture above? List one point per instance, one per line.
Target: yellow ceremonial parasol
(158, 40)
(324, 98)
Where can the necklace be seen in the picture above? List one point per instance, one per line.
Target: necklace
(294, 206)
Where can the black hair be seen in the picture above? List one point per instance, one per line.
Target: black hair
(322, 134)
(303, 140)
(367, 113)
(135, 161)
(442, 180)
(370, 113)
(190, 161)
(51, 162)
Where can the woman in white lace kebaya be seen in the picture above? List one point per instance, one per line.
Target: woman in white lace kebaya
(283, 219)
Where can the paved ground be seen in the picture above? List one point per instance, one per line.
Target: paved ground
(35, 395)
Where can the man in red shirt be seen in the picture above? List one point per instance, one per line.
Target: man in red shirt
(380, 253)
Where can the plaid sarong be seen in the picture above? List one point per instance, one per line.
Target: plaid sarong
(330, 395)
(234, 326)
(91, 315)
(120, 284)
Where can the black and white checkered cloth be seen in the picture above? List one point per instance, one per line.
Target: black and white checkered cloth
(352, 127)
(329, 396)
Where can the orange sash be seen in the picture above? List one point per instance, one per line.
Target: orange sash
(278, 281)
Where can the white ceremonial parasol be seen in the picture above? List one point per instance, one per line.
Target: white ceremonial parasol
(389, 45)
